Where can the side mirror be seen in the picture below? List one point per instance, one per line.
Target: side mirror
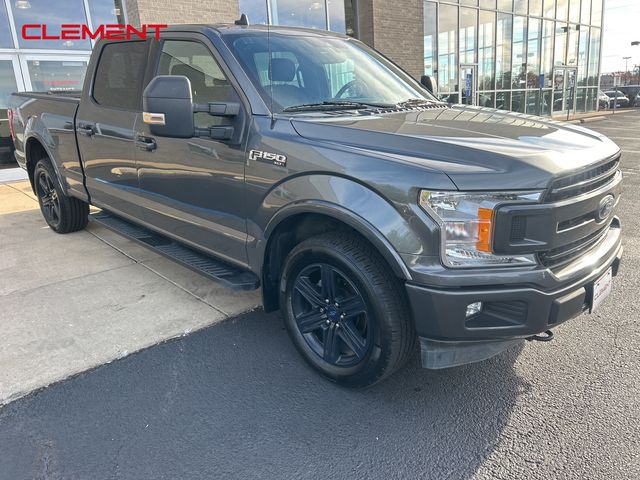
(168, 107)
(429, 83)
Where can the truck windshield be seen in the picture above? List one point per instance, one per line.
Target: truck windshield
(298, 72)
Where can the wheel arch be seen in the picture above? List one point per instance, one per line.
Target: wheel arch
(302, 220)
(35, 150)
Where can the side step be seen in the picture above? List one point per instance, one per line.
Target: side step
(233, 277)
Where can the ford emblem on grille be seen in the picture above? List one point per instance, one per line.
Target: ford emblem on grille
(606, 207)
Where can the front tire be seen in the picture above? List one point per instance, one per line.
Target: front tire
(62, 213)
(345, 311)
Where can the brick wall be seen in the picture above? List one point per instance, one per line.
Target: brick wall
(182, 11)
(398, 32)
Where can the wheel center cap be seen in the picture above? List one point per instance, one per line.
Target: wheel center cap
(332, 313)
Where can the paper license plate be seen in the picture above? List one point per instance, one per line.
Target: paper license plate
(601, 289)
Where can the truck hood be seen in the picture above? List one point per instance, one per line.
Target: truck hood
(478, 148)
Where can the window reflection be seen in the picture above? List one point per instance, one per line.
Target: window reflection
(468, 22)
(535, 8)
(596, 12)
(533, 53)
(430, 32)
(562, 9)
(585, 15)
(561, 43)
(520, 6)
(572, 51)
(546, 61)
(503, 51)
(574, 11)
(549, 8)
(256, 10)
(486, 78)
(447, 48)
(518, 59)
(594, 56)
(53, 13)
(7, 82)
(582, 56)
(105, 12)
(299, 14)
(56, 75)
(5, 32)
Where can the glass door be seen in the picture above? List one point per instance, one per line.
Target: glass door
(564, 91)
(467, 90)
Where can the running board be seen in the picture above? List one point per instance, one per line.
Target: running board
(206, 265)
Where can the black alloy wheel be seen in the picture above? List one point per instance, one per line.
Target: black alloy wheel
(48, 198)
(331, 314)
(345, 311)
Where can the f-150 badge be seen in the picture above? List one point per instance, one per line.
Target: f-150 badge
(268, 157)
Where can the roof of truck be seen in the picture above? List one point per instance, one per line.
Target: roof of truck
(229, 28)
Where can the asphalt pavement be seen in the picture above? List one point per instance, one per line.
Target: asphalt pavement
(234, 400)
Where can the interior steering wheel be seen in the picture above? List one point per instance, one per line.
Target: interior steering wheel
(347, 86)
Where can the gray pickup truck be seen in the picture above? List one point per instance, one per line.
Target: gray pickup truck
(374, 216)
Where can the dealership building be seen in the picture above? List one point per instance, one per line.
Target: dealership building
(533, 56)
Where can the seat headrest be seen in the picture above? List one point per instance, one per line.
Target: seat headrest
(196, 77)
(282, 70)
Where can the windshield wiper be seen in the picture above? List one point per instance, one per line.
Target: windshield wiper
(417, 102)
(329, 105)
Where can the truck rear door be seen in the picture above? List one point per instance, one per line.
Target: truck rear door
(106, 123)
(193, 189)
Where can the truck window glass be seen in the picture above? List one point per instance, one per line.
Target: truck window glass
(307, 69)
(208, 83)
(119, 75)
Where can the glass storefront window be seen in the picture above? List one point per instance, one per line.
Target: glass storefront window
(562, 9)
(585, 15)
(546, 102)
(549, 8)
(105, 12)
(520, 6)
(596, 12)
(533, 53)
(486, 99)
(561, 43)
(574, 11)
(503, 51)
(535, 8)
(546, 52)
(8, 83)
(430, 32)
(351, 25)
(506, 5)
(572, 50)
(519, 61)
(503, 100)
(256, 10)
(468, 22)
(582, 56)
(517, 101)
(448, 48)
(581, 100)
(53, 13)
(594, 57)
(5, 31)
(471, 3)
(337, 20)
(533, 102)
(56, 75)
(299, 14)
(486, 30)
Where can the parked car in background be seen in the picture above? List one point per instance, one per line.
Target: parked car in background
(618, 98)
(603, 100)
(6, 144)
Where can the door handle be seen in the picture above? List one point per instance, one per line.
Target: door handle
(146, 144)
(87, 130)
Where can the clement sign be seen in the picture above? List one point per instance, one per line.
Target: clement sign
(78, 31)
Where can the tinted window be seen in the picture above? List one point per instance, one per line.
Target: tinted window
(208, 83)
(119, 76)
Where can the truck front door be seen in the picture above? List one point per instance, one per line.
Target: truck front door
(106, 123)
(193, 189)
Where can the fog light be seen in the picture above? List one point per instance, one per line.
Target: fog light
(473, 309)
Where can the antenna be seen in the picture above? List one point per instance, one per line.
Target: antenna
(243, 20)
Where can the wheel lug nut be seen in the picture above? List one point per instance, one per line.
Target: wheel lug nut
(326, 300)
(327, 321)
(322, 310)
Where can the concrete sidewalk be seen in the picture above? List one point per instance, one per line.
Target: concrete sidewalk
(69, 303)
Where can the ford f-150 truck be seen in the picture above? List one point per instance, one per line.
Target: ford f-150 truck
(373, 215)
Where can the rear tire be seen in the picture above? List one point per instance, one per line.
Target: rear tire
(345, 311)
(62, 213)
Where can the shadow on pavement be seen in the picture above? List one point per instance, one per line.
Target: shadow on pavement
(236, 401)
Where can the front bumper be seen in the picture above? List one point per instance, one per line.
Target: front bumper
(510, 314)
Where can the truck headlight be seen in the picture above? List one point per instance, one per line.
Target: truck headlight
(467, 222)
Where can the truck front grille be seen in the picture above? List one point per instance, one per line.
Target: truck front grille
(583, 182)
(563, 255)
